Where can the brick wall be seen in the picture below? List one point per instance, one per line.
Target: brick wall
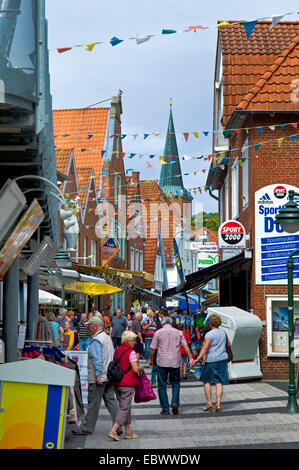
(270, 164)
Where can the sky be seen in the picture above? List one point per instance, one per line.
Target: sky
(177, 67)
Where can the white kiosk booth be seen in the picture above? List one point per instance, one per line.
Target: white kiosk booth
(243, 330)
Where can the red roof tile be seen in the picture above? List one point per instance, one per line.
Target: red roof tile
(274, 89)
(62, 160)
(72, 128)
(245, 61)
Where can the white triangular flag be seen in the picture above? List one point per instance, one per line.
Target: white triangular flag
(276, 19)
(140, 38)
(135, 136)
(186, 157)
(272, 128)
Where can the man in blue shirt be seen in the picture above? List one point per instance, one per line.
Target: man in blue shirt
(100, 354)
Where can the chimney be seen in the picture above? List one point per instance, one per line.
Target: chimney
(135, 177)
(116, 106)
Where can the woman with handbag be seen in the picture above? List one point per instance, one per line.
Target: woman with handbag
(125, 389)
(215, 369)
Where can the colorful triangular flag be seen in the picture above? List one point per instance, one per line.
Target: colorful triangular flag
(276, 19)
(249, 27)
(114, 41)
(63, 49)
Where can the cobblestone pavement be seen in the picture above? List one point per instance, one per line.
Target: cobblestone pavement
(253, 416)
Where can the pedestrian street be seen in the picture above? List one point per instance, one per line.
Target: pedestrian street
(253, 417)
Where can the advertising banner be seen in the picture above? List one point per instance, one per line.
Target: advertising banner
(272, 244)
(80, 357)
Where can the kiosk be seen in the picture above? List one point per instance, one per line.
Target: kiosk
(33, 404)
(243, 330)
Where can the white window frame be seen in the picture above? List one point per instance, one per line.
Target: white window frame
(226, 199)
(132, 258)
(245, 176)
(269, 300)
(84, 249)
(235, 189)
(140, 260)
(93, 253)
(137, 260)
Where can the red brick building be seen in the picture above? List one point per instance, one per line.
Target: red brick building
(256, 113)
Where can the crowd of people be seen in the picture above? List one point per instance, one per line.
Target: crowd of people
(152, 335)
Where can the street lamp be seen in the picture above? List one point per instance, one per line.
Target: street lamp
(288, 218)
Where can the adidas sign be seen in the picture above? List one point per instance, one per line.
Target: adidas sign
(265, 199)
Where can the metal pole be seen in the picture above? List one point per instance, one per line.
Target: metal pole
(32, 305)
(292, 406)
(62, 292)
(11, 311)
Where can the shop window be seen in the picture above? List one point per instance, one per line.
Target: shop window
(277, 325)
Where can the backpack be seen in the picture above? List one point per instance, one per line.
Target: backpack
(114, 372)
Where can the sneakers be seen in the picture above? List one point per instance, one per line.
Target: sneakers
(175, 409)
(164, 413)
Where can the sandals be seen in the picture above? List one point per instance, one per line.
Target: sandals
(217, 409)
(131, 436)
(113, 436)
(208, 408)
(81, 432)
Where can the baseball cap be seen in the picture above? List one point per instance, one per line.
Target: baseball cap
(94, 321)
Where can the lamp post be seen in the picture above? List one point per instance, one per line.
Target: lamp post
(288, 219)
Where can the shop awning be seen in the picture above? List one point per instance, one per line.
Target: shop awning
(124, 273)
(47, 298)
(92, 289)
(211, 299)
(200, 278)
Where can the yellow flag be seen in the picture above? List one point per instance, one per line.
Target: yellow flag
(280, 141)
(161, 160)
(90, 46)
(156, 133)
(196, 134)
(223, 23)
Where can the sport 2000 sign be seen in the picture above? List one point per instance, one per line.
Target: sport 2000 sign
(231, 234)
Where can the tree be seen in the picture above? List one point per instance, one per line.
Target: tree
(210, 220)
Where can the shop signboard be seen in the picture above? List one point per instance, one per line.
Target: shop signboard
(208, 246)
(231, 235)
(272, 244)
(206, 259)
(23, 231)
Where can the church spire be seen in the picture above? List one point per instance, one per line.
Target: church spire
(171, 181)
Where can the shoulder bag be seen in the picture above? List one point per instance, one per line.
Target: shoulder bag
(229, 350)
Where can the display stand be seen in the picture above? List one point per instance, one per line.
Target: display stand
(33, 402)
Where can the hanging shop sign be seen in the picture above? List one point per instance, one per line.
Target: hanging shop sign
(272, 244)
(231, 234)
(110, 248)
(207, 259)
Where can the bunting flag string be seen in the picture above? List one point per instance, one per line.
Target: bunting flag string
(142, 38)
(196, 134)
(224, 161)
(162, 160)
